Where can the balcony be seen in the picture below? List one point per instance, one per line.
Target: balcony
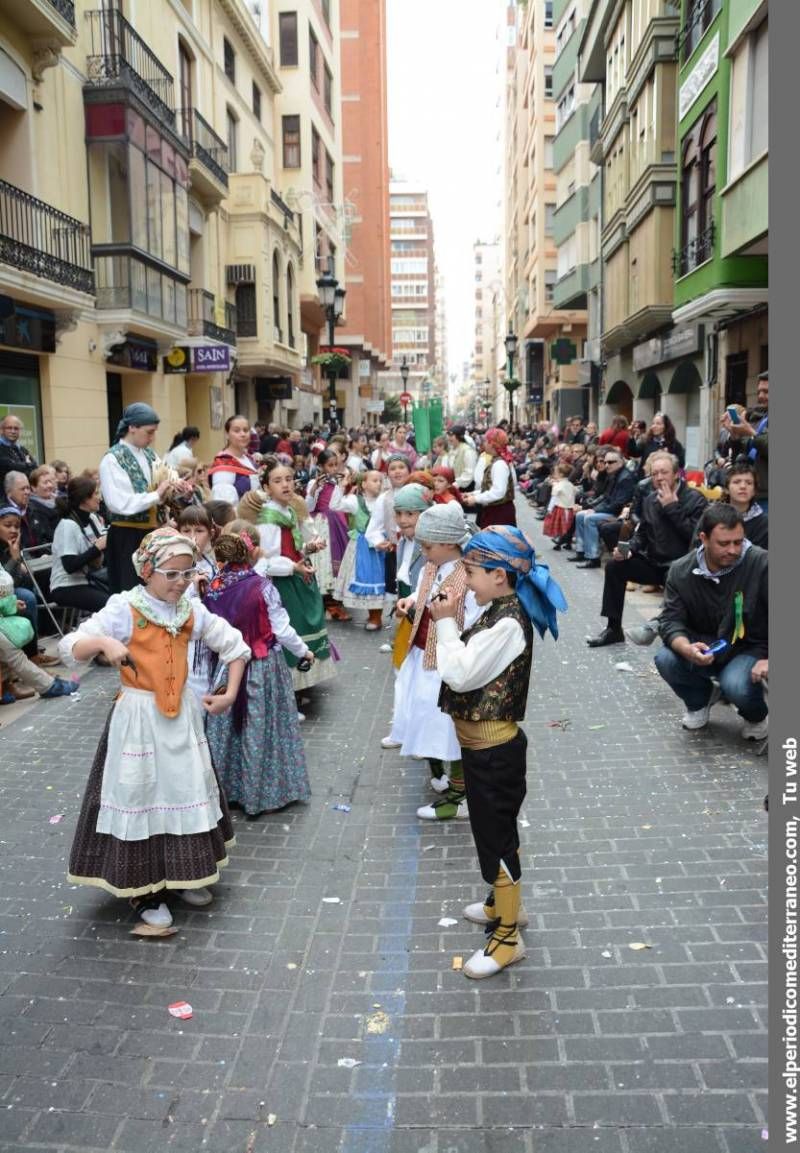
(570, 290)
(36, 238)
(50, 20)
(699, 17)
(208, 159)
(119, 58)
(695, 253)
(203, 317)
(595, 137)
(127, 282)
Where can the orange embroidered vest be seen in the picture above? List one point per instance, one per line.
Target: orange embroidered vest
(162, 663)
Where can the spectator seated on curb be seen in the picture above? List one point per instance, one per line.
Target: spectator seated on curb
(11, 560)
(667, 519)
(21, 678)
(617, 495)
(718, 592)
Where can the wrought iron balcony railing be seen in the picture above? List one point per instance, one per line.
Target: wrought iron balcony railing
(280, 203)
(65, 8)
(695, 253)
(698, 18)
(120, 56)
(210, 149)
(37, 238)
(203, 317)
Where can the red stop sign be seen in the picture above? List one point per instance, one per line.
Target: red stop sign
(406, 399)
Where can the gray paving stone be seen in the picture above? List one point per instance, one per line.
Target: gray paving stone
(282, 985)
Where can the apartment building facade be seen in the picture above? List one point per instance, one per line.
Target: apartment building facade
(550, 337)
(722, 226)
(487, 276)
(413, 286)
(144, 245)
(367, 332)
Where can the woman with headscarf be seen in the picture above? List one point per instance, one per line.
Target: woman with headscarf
(485, 672)
(153, 818)
(133, 501)
(494, 482)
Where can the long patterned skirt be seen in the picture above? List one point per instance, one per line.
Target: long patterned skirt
(303, 603)
(263, 765)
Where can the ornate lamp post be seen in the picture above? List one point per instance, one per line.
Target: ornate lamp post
(331, 297)
(404, 377)
(510, 383)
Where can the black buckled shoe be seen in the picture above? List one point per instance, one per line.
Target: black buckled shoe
(608, 636)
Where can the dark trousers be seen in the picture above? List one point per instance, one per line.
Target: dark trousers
(617, 575)
(122, 544)
(610, 533)
(84, 597)
(495, 783)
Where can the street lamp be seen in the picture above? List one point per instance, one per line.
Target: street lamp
(511, 343)
(487, 386)
(331, 297)
(404, 378)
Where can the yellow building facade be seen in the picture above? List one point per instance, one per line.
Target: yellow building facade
(146, 249)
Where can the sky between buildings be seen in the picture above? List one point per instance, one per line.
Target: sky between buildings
(446, 82)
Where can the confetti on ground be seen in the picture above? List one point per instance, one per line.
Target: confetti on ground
(54, 820)
(341, 808)
(624, 667)
(638, 946)
(647, 826)
(331, 900)
(180, 1009)
(428, 848)
(562, 724)
(385, 649)
(524, 823)
(595, 728)
(347, 1062)
(605, 953)
(458, 964)
(378, 1023)
(446, 922)
(272, 1118)
(291, 965)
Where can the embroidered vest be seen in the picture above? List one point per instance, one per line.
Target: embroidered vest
(504, 698)
(457, 580)
(162, 664)
(139, 483)
(486, 484)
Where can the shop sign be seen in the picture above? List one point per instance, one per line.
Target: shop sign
(206, 358)
(676, 344)
(31, 329)
(273, 388)
(699, 76)
(135, 353)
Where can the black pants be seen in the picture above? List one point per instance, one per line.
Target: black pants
(495, 784)
(617, 575)
(80, 597)
(610, 533)
(391, 572)
(122, 544)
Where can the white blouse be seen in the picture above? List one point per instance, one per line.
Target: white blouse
(116, 487)
(223, 483)
(273, 564)
(500, 474)
(378, 527)
(116, 620)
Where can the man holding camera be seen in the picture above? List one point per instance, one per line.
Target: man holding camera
(715, 624)
(669, 514)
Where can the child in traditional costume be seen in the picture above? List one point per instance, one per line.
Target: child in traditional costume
(560, 518)
(485, 672)
(286, 549)
(257, 746)
(419, 727)
(153, 818)
(409, 501)
(381, 531)
(444, 485)
(361, 582)
(331, 527)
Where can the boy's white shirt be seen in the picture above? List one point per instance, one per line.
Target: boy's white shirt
(482, 659)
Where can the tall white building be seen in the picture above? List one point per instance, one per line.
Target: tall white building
(413, 284)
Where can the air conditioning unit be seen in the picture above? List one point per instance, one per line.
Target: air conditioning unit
(240, 273)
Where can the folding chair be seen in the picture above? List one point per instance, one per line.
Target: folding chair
(38, 560)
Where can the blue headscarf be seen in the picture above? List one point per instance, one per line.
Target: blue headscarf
(135, 415)
(507, 547)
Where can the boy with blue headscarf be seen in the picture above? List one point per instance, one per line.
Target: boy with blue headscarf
(485, 673)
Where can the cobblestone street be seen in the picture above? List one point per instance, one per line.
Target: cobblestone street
(327, 1014)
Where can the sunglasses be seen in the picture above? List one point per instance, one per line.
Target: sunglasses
(178, 574)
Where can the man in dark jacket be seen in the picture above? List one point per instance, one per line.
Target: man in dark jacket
(718, 592)
(587, 523)
(666, 520)
(751, 437)
(14, 457)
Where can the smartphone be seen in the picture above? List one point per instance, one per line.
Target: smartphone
(718, 647)
(624, 548)
(733, 414)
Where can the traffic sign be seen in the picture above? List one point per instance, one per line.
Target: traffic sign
(405, 399)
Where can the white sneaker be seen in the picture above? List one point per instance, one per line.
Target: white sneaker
(480, 966)
(440, 784)
(476, 914)
(388, 743)
(196, 897)
(699, 718)
(758, 731)
(430, 813)
(160, 918)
